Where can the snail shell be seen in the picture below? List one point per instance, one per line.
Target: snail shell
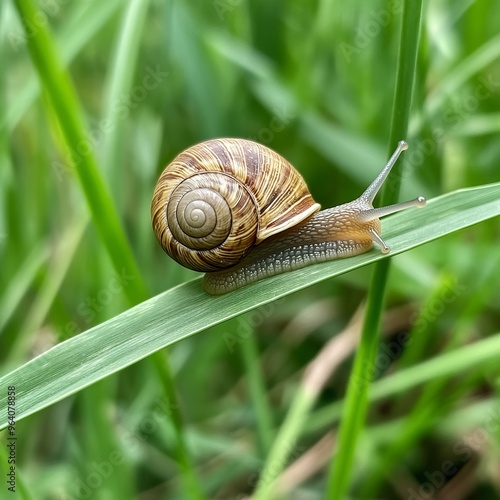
(221, 197)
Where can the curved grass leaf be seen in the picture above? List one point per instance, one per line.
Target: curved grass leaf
(185, 310)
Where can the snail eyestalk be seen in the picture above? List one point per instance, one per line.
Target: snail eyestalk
(374, 187)
(376, 213)
(368, 213)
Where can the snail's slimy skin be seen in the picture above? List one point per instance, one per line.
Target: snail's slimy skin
(327, 235)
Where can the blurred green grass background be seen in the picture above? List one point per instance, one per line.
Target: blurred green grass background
(314, 81)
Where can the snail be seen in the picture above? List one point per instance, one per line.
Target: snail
(240, 212)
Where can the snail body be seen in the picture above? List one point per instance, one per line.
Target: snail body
(241, 212)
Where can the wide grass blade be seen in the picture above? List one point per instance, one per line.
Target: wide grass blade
(185, 310)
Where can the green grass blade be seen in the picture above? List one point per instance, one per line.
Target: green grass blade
(80, 28)
(120, 83)
(356, 405)
(23, 279)
(467, 68)
(185, 310)
(482, 353)
(57, 269)
(259, 398)
(284, 444)
(64, 102)
(446, 365)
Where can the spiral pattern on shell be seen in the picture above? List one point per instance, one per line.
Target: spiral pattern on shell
(219, 198)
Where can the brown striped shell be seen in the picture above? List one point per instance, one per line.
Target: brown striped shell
(219, 198)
